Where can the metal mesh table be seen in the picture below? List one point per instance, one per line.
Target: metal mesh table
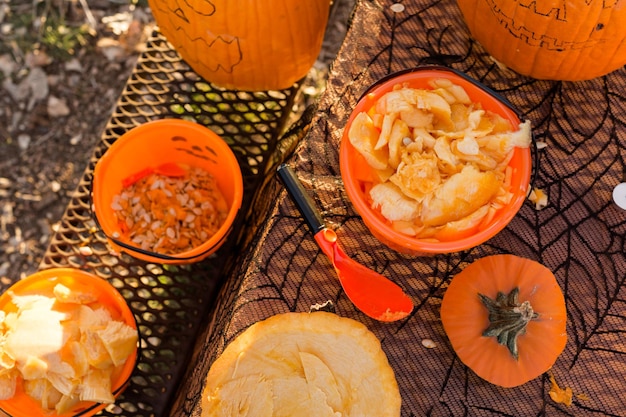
(171, 303)
(579, 235)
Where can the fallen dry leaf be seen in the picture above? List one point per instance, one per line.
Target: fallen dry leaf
(36, 82)
(133, 36)
(558, 394)
(37, 58)
(111, 49)
(7, 65)
(57, 107)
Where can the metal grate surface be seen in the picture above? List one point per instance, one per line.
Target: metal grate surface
(171, 302)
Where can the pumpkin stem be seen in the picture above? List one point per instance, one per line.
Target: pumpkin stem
(507, 318)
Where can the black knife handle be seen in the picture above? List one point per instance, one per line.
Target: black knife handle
(301, 198)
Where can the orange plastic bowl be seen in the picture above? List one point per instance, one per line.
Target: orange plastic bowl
(158, 143)
(356, 173)
(42, 283)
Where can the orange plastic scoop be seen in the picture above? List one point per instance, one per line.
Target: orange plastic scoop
(371, 292)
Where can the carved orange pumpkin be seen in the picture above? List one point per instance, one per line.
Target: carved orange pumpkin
(551, 39)
(242, 44)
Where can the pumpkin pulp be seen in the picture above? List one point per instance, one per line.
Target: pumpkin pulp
(507, 318)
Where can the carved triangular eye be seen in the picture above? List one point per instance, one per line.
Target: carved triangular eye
(180, 13)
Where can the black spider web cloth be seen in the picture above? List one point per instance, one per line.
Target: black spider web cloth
(579, 235)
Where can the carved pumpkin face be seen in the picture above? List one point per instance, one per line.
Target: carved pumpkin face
(551, 39)
(242, 44)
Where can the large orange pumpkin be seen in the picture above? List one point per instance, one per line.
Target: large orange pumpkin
(252, 45)
(551, 39)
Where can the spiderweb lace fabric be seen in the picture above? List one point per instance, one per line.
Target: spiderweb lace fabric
(579, 236)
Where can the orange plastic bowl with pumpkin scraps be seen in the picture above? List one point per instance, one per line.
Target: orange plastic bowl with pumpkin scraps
(78, 290)
(358, 176)
(170, 147)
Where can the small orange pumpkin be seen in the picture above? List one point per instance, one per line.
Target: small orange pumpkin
(245, 45)
(551, 39)
(505, 317)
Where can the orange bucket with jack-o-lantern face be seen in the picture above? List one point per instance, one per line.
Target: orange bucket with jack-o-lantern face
(148, 148)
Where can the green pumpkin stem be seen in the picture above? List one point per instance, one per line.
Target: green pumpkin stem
(507, 318)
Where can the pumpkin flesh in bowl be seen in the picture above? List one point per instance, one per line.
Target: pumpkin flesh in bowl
(69, 344)
(515, 288)
(435, 162)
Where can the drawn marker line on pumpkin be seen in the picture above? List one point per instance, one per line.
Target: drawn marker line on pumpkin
(532, 38)
(214, 46)
(204, 8)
